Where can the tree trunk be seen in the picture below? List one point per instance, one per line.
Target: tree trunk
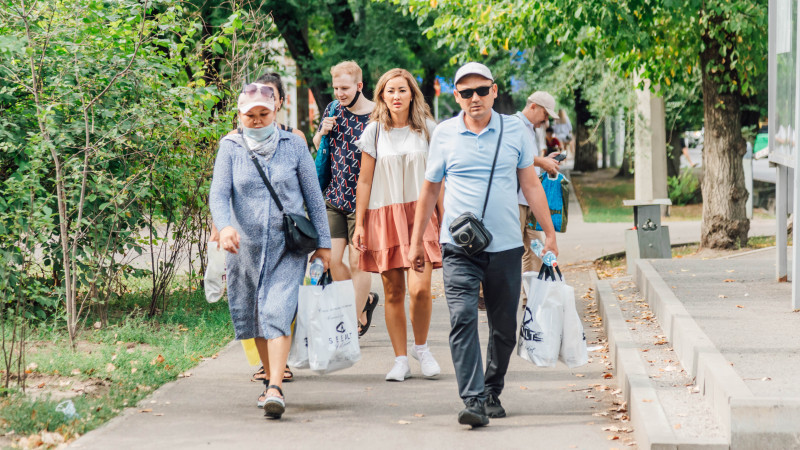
(504, 103)
(674, 147)
(725, 223)
(291, 29)
(585, 150)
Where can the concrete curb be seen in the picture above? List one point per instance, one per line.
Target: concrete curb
(717, 380)
(749, 421)
(650, 424)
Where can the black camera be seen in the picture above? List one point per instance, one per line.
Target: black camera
(469, 233)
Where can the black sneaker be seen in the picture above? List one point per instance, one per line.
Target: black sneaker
(474, 414)
(493, 407)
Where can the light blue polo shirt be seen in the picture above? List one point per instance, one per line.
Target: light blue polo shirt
(464, 160)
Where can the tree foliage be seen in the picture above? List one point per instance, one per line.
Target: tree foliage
(108, 128)
(320, 34)
(664, 41)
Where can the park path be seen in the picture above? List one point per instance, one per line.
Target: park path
(548, 408)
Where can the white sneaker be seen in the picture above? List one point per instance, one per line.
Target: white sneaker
(430, 368)
(400, 371)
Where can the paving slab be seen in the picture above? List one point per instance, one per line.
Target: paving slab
(215, 407)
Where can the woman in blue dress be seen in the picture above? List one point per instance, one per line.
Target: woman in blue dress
(263, 276)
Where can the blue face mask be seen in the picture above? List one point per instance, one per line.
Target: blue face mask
(259, 134)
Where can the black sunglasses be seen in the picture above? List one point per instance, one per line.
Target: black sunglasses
(482, 91)
(252, 88)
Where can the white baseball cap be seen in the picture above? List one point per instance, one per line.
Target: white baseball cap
(255, 94)
(473, 68)
(546, 101)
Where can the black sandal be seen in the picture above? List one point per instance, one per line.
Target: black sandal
(259, 402)
(274, 407)
(260, 374)
(288, 376)
(369, 308)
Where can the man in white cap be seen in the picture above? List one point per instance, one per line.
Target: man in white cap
(472, 152)
(539, 106)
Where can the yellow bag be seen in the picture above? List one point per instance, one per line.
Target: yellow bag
(251, 351)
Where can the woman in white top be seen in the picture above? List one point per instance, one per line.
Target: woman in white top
(394, 148)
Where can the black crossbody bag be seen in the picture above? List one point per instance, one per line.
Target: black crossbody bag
(298, 232)
(468, 231)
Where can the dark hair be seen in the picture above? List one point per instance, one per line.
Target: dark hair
(549, 130)
(273, 78)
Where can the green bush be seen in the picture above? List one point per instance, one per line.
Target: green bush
(684, 189)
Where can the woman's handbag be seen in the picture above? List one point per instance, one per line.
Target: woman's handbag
(323, 160)
(467, 230)
(298, 232)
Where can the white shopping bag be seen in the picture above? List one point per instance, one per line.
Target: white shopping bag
(214, 281)
(327, 314)
(540, 331)
(573, 341)
(298, 352)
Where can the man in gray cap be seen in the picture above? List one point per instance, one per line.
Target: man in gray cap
(479, 155)
(539, 106)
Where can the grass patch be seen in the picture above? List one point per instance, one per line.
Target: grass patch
(132, 356)
(601, 194)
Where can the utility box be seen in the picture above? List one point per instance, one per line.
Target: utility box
(648, 239)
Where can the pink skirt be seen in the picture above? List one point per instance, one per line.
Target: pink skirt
(387, 236)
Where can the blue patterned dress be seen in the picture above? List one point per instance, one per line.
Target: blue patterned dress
(263, 278)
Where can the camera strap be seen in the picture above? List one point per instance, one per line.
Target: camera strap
(491, 175)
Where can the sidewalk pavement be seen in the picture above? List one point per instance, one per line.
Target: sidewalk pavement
(548, 408)
(215, 407)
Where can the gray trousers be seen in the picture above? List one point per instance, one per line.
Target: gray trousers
(500, 274)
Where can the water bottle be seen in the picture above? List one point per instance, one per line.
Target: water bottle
(537, 247)
(315, 271)
(548, 259)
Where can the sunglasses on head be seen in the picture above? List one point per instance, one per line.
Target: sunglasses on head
(252, 88)
(482, 91)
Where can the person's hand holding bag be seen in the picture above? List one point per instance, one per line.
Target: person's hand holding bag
(229, 240)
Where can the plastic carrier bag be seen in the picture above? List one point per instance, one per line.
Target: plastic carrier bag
(214, 281)
(326, 334)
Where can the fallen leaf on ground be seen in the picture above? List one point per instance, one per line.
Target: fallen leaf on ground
(729, 280)
(110, 367)
(524, 388)
(158, 414)
(419, 415)
(646, 400)
(147, 410)
(580, 375)
(608, 375)
(722, 296)
(739, 306)
(403, 422)
(677, 426)
(157, 360)
(613, 438)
